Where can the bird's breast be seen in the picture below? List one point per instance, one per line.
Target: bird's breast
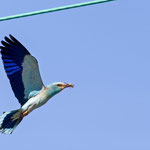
(42, 98)
(37, 101)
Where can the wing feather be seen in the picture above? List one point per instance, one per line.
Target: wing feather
(21, 69)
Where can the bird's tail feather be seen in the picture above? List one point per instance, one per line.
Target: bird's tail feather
(9, 121)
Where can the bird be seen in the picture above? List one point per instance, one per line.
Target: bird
(23, 73)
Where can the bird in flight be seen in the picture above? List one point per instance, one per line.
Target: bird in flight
(23, 73)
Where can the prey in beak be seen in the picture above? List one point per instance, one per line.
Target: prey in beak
(69, 85)
(65, 85)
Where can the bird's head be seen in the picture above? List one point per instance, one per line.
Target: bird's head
(56, 87)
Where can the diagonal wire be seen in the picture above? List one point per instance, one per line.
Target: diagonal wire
(54, 9)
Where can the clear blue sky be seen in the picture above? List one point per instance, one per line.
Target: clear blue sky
(105, 51)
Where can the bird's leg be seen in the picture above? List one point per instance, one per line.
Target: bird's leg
(29, 109)
(25, 113)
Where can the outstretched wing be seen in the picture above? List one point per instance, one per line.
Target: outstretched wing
(21, 68)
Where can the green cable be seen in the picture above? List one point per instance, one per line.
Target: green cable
(53, 9)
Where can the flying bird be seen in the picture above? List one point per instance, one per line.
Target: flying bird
(23, 73)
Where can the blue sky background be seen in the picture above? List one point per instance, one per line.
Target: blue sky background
(105, 51)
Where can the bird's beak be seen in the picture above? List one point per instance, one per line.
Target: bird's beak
(68, 85)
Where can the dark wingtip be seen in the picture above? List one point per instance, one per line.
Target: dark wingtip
(5, 38)
(1, 47)
(12, 37)
(4, 43)
(11, 41)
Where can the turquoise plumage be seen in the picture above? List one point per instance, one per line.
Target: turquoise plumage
(23, 73)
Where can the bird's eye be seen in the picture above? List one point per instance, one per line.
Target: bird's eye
(59, 85)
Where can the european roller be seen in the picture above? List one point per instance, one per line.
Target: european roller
(23, 73)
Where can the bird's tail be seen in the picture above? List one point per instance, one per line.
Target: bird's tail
(9, 121)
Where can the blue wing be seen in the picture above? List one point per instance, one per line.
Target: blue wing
(21, 68)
